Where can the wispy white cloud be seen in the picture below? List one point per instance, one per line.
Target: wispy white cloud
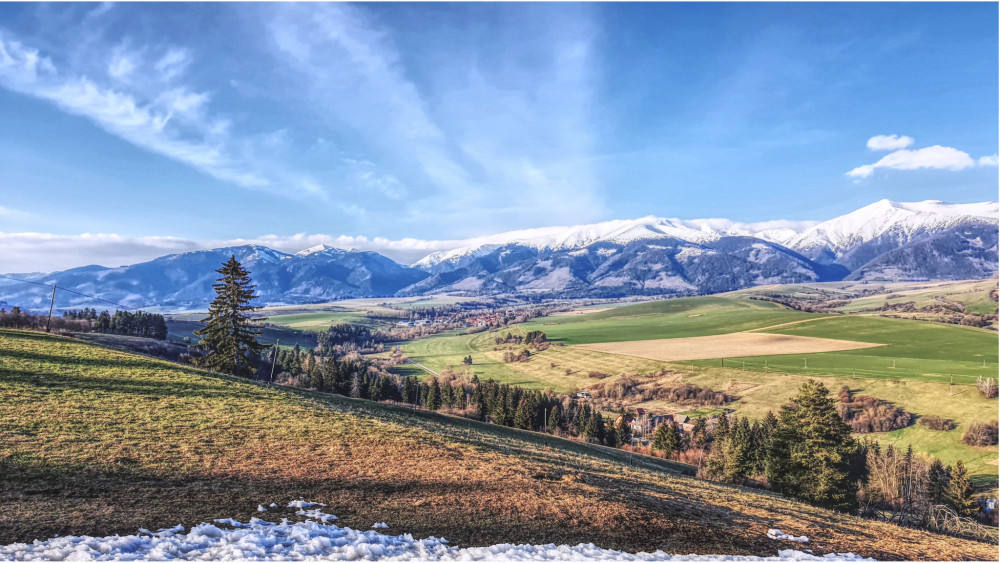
(889, 142)
(173, 63)
(122, 64)
(472, 141)
(991, 160)
(172, 120)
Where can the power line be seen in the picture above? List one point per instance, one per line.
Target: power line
(76, 293)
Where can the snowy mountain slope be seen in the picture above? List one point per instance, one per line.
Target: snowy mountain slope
(185, 280)
(892, 222)
(618, 232)
(826, 241)
(663, 265)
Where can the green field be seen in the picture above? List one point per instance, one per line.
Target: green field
(97, 442)
(320, 321)
(915, 350)
(673, 318)
(913, 369)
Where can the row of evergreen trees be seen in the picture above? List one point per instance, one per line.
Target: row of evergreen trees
(146, 325)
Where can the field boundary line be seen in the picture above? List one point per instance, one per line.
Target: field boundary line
(791, 323)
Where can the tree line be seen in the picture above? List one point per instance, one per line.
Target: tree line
(138, 323)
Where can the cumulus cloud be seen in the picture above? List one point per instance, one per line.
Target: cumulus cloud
(934, 157)
(991, 160)
(889, 142)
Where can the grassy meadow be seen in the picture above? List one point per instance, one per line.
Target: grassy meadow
(97, 441)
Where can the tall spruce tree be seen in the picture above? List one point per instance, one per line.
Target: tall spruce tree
(230, 335)
(810, 451)
(959, 491)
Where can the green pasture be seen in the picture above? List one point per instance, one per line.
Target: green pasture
(673, 318)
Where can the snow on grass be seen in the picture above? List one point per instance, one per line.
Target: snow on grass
(776, 534)
(261, 540)
(317, 514)
(303, 504)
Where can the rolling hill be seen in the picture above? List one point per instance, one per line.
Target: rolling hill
(97, 441)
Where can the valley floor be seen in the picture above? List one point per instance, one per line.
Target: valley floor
(98, 442)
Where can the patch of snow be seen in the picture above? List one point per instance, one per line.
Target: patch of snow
(607, 251)
(663, 281)
(467, 284)
(378, 525)
(317, 514)
(776, 534)
(303, 504)
(260, 508)
(260, 540)
(559, 278)
(691, 252)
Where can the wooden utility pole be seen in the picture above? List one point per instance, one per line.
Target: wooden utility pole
(270, 380)
(48, 323)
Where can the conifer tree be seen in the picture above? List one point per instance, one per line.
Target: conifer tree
(357, 387)
(937, 483)
(667, 438)
(525, 415)
(598, 426)
(554, 418)
(959, 491)
(810, 451)
(230, 335)
(699, 434)
(315, 377)
(434, 396)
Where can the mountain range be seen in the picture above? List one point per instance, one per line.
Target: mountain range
(929, 240)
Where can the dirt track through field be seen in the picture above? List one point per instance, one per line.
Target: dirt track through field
(735, 345)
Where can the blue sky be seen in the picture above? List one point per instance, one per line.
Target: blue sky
(164, 127)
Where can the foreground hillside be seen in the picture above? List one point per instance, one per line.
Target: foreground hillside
(95, 441)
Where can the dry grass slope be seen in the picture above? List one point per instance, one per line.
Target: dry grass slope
(736, 344)
(96, 441)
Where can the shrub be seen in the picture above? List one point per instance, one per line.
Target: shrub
(987, 387)
(937, 423)
(981, 434)
(597, 375)
(870, 414)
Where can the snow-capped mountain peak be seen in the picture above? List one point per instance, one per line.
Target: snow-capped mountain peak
(315, 249)
(837, 234)
(901, 219)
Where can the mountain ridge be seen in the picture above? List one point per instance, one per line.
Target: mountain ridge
(885, 240)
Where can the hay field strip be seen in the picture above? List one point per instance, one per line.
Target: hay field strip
(738, 344)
